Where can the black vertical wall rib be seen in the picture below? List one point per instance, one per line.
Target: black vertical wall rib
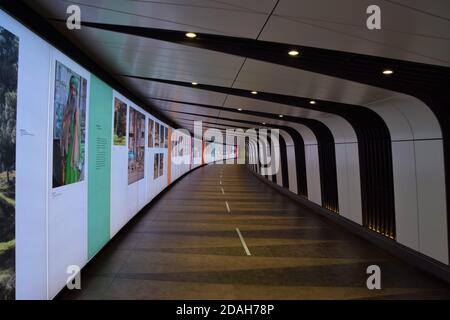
(376, 174)
(300, 159)
(266, 146)
(284, 163)
(256, 157)
(247, 149)
(224, 146)
(273, 176)
(247, 154)
(327, 165)
(263, 149)
(258, 166)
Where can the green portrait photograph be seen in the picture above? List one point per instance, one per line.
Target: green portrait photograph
(69, 129)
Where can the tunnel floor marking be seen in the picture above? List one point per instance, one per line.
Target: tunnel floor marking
(243, 242)
(228, 207)
(223, 191)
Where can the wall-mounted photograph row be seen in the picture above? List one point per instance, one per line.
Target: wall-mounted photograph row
(75, 165)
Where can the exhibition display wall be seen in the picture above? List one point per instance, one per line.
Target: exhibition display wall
(77, 161)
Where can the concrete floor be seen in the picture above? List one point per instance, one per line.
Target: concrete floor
(186, 246)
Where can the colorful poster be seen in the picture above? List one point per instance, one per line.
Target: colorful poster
(155, 166)
(161, 136)
(166, 137)
(161, 164)
(136, 146)
(157, 135)
(69, 126)
(9, 53)
(120, 122)
(151, 125)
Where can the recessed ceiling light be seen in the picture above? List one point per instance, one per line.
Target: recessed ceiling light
(254, 92)
(240, 109)
(264, 123)
(388, 71)
(194, 83)
(312, 102)
(191, 35)
(281, 116)
(293, 53)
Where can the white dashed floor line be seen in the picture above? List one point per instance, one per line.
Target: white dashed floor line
(243, 242)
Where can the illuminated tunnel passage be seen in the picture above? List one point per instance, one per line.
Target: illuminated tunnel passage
(220, 233)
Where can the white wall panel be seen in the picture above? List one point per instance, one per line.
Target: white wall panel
(275, 158)
(342, 180)
(119, 215)
(291, 167)
(422, 120)
(349, 186)
(137, 190)
(340, 128)
(399, 127)
(313, 173)
(149, 165)
(354, 183)
(405, 191)
(308, 136)
(347, 167)
(418, 166)
(292, 171)
(407, 117)
(31, 145)
(432, 201)
(67, 205)
(119, 185)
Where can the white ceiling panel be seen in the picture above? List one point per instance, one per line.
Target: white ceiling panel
(243, 18)
(268, 77)
(416, 30)
(271, 107)
(170, 106)
(126, 54)
(167, 91)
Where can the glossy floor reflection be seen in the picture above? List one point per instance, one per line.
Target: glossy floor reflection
(186, 246)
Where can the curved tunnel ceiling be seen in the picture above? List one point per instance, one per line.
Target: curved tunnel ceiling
(419, 36)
